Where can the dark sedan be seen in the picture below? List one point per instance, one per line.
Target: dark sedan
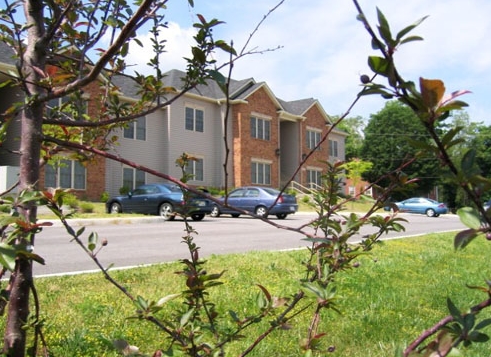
(257, 200)
(164, 199)
(421, 205)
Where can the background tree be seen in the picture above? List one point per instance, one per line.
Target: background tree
(472, 136)
(387, 143)
(354, 126)
(354, 171)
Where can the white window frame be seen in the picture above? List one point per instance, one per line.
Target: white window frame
(195, 123)
(352, 191)
(138, 177)
(261, 172)
(193, 168)
(260, 127)
(313, 137)
(317, 180)
(64, 174)
(136, 130)
(333, 148)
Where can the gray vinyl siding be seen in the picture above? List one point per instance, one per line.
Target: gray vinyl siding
(12, 142)
(207, 145)
(149, 152)
(167, 139)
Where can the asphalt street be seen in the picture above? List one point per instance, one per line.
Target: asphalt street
(150, 240)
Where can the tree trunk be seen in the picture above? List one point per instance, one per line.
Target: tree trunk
(31, 66)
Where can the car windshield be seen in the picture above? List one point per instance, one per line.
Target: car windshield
(173, 188)
(272, 191)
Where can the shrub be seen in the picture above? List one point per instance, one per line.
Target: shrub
(124, 190)
(104, 197)
(71, 201)
(87, 207)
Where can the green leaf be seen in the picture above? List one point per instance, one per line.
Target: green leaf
(483, 324)
(476, 336)
(470, 217)
(167, 298)
(93, 238)
(454, 311)
(409, 28)
(379, 65)
(469, 321)
(411, 39)
(449, 135)
(7, 256)
(463, 238)
(186, 317)
(384, 28)
(453, 105)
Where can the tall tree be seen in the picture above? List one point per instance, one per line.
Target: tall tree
(354, 126)
(387, 144)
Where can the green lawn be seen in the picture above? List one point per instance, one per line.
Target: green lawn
(398, 290)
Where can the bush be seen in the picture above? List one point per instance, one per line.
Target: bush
(104, 197)
(71, 201)
(87, 207)
(124, 190)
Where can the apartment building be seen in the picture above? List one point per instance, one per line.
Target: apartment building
(259, 139)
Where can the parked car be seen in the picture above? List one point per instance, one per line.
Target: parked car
(164, 199)
(421, 205)
(257, 200)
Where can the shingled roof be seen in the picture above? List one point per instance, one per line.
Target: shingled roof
(6, 54)
(239, 89)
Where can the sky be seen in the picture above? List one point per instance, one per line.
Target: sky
(321, 49)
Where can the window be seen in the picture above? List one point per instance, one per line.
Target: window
(133, 178)
(260, 128)
(368, 191)
(313, 138)
(66, 174)
(69, 107)
(261, 173)
(333, 148)
(314, 177)
(136, 129)
(195, 119)
(195, 168)
(352, 191)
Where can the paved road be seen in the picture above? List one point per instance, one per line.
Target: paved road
(151, 240)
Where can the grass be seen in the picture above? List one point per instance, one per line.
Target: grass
(399, 290)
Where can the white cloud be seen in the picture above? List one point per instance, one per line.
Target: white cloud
(325, 48)
(177, 47)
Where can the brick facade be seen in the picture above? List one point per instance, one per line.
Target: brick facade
(246, 148)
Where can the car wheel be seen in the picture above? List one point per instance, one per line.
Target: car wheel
(166, 211)
(430, 212)
(215, 212)
(197, 216)
(262, 211)
(281, 215)
(235, 215)
(115, 208)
